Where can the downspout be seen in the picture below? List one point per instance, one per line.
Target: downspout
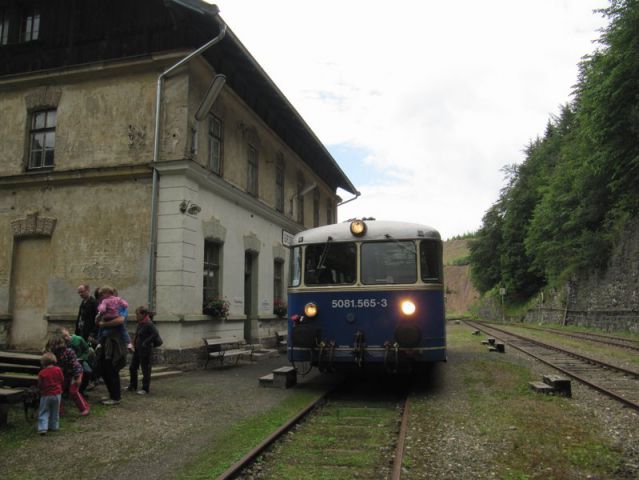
(156, 154)
(357, 194)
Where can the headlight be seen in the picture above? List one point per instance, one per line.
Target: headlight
(310, 310)
(358, 228)
(408, 307)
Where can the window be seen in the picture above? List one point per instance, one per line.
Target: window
(30, 25)
(329, 212)
(330, 264)
(389, 262)
(4, 27)
(211, 280)
(300, 199)
(42, 139)
(278, 283)
(295, 266)
(430, 253)
(215, 144)
(316, 207)
(279, 185)
(251, 171)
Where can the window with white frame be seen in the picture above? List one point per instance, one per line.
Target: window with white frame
(251, 171)
(4, 26)
(279, 184)
(42, 139)
(329, 212)
(30, 29)
(316, 207)
(211, 279)
(279, 302)
(215, 144)
(300, 199)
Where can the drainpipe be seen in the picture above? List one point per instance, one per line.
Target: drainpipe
(156, 154)
(357, 194)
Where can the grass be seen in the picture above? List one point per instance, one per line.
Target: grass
(234, 443)
(524, 435)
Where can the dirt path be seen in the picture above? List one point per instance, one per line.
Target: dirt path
(151, 436)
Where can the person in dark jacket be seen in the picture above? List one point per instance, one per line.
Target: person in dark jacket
(85, 324)
(146, 337)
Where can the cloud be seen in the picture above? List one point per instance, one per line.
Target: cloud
(421, 103)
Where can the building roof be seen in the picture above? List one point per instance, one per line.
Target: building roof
(80, 32)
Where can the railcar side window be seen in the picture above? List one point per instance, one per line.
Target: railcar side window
(330, 264)
(389, 262)
(295, 277)
(430, 252)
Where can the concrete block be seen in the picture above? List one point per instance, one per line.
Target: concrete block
(285, 377)
(541, 387)
(491, 341)
(501, 348)
(561, 385)
(267, 380)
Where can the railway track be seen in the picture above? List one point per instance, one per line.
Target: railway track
(346, 434)
(592, 337)
(616, 382)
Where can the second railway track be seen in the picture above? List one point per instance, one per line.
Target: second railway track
(619, 383)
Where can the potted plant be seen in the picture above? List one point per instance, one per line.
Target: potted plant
(279, 307)
(217, 308)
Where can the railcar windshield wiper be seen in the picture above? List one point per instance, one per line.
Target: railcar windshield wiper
(401, 244)
(322, 259)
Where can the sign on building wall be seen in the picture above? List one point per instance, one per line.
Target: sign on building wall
(287, 238)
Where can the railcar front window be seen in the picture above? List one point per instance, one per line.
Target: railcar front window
(330, 264)
(430, 253)
(389, 262)
(295, 277)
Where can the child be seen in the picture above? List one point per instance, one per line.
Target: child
(110, 307)
(145, 338)
(84, 353)
(72, 370)
(50, 385)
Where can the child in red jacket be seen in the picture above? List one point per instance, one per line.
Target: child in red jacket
(50, 385)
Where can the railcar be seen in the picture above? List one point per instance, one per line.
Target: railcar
(366, 294)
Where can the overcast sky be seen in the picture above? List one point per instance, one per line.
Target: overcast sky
(421, 102)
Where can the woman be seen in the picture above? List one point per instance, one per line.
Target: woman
(111, 351)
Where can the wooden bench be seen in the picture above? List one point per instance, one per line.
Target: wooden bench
(8, 396)
(281, 340)
(222, 349)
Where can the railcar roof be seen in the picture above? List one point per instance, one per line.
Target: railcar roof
(375, 230)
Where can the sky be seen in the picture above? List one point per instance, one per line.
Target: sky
(421, 102)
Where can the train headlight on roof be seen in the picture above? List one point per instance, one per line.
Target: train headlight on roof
(407, 307)
(358, 228)
(310, 309)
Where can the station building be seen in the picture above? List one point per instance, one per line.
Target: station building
(174, 210)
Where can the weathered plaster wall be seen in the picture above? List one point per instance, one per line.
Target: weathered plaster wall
(97, 126)
(100, 237)
(241, 127)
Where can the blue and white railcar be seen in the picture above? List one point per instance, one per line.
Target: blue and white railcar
(366, 293)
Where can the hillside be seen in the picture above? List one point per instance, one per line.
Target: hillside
(460, 294)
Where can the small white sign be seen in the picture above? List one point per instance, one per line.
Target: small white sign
(287, 238)
(502, 291)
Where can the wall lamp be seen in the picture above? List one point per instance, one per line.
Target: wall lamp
(189, 207)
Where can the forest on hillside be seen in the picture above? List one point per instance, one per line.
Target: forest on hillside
(562, 209)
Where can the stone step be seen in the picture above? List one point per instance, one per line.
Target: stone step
(561, 385)
(19, 368)
(265, 353)
(267, 380)
(21, 380)
(19, 358)
(541, 387)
